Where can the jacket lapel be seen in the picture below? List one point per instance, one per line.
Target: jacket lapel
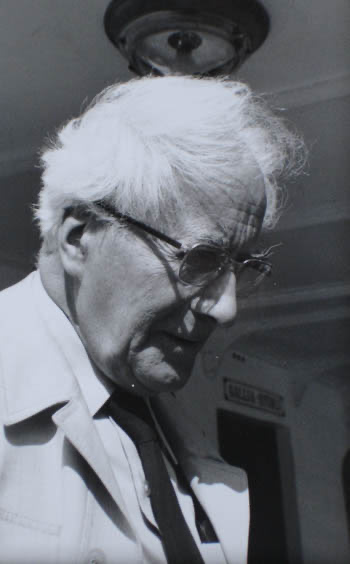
(76, 423)
(222, 490)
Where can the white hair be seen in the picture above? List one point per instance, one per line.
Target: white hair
(139, 143)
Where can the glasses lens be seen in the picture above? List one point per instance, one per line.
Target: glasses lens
(200, 265)
(250, 275)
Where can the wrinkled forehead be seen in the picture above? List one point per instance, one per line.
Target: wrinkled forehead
(233, 211)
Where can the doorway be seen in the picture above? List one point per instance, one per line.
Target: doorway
(254, 446)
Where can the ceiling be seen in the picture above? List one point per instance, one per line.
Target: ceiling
(55, 56)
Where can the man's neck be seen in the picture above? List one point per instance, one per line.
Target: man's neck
(54, 281)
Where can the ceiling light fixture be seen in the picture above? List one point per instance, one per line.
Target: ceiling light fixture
(199, 37)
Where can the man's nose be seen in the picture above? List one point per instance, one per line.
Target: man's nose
(218, 299)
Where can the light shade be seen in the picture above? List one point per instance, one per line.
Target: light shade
(211, 37)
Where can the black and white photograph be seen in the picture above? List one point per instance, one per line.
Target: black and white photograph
(174, 282)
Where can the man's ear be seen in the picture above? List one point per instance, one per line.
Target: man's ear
(73, 244)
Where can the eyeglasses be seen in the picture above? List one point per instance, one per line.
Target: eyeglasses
(203, 262)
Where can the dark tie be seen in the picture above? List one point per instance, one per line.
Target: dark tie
(132, 414)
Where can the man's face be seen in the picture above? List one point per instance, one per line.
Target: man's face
(141, 326)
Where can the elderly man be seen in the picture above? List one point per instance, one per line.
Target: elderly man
(150, 210)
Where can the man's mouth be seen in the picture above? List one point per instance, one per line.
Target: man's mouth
(186, 340)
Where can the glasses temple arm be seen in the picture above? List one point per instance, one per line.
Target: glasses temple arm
(109, 209)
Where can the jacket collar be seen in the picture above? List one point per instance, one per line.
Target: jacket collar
(44, 363)
(41, 365)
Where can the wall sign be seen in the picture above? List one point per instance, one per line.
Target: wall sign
(251, 396)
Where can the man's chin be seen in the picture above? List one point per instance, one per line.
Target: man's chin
(162, 378)
(154, 371)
